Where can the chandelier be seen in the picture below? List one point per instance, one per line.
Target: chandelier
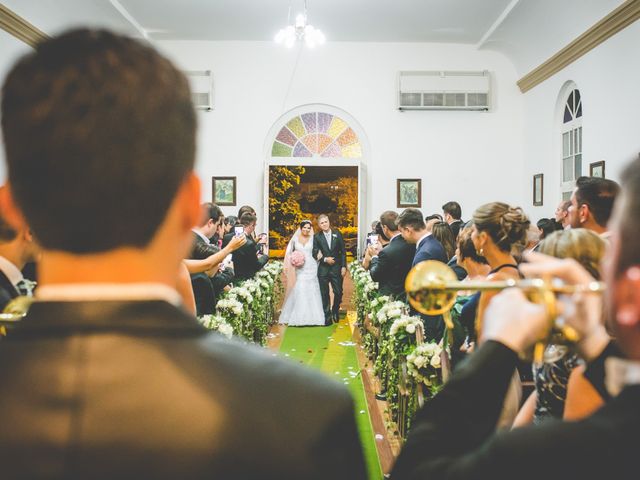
(300, 30)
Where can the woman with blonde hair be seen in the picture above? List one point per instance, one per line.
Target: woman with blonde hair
(555, 394)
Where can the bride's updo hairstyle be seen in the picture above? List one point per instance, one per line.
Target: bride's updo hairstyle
(506, 225)
(305, 222)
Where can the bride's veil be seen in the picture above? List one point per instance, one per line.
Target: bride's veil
(289, 270)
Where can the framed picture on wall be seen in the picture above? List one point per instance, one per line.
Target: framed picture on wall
(224, 191)
(409, 192)
(596, 169)
(538, 188)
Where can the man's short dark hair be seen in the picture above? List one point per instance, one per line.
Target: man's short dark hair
(7, 232)
(599, 195)
(453, 209)
(248, 219)
(629, 218)
(99, 132)
(212, 211)
(411, 217)
(388, 219)
(434, 216)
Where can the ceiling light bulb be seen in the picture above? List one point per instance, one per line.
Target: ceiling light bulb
(301, 20)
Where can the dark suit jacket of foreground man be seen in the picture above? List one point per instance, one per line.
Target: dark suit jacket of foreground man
(391, 266)
(453, 436)
(141, 390)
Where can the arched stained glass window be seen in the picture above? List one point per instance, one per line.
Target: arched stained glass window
(316, 134)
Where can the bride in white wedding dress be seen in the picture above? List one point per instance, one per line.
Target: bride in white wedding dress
(303, 303)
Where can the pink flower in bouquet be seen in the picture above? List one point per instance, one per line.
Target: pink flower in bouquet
(297, 259)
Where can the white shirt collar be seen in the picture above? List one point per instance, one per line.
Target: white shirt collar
(201, 235)
(327, 233)
(421, 239)
(620, 373)
(12, 272)
(83, 292)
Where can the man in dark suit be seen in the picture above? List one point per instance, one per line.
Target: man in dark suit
(389, 266)
(454, 435)
(414, 231)
(453, 216)
(328, 248)
(108, 376)
(209, 278)
(247, 260)
(16, 249)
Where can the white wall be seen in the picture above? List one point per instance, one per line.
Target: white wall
(608, 78)
(11, 49)
(466, 156)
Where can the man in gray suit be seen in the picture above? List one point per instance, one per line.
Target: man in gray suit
(107, 376)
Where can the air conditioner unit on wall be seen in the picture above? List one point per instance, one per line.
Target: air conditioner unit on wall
(201, 89)
(442, 90)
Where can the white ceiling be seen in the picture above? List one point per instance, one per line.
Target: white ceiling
(450, 21)
(528, 32)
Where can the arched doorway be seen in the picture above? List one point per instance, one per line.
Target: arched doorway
(315, 163)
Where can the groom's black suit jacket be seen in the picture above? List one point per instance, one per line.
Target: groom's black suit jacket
(453, 436)
(141, 389)
(337, 251)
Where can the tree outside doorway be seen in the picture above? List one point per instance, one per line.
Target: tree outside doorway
(304, 192)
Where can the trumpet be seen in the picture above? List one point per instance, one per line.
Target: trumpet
(15, 311)
(432, 289)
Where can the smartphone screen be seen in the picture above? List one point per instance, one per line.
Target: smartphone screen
(238, 230)
(372, 239)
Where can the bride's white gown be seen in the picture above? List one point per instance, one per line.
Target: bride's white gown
(303, 305)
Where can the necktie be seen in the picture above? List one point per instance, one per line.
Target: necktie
(328, 237)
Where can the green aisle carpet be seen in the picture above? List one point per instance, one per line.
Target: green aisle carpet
(330, 350)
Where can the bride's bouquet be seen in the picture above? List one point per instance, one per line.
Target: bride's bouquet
(297, 259)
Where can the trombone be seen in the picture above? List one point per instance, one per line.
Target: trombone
(432, 289)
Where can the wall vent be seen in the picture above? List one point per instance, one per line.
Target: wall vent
(444, 90)
(201, 83)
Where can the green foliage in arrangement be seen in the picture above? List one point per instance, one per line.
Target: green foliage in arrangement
(248, 309)
(408, 370)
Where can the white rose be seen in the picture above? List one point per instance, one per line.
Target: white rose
(435, 361)
(411, 328)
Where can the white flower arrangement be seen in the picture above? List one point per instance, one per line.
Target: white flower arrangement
(391, 311)
(217, 323)
(424, 363)
(405, 324)
(231, 305)
(242, 293)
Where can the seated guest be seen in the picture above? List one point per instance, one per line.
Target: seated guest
(547, 226)
(531, 245)
(430, 220)
(475, 268)
(413, 229)
(592, 204)
(442, 232)
(211, 275)
(392, 264)
(551, 378)
(229, 223)
(454, 436)
(562, 214)
(17, 247)
(107, 376)
(246, 259)
(453, 216)
(383, 239)
(499, 230)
